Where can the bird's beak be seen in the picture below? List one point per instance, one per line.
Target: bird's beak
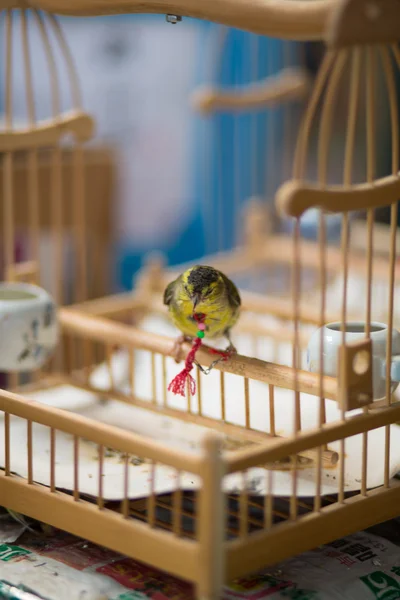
(196, 300)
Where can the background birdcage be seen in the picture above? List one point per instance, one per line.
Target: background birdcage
(266, 458)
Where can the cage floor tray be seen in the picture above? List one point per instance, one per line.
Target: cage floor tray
(187, 436)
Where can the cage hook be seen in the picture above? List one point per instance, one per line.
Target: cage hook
(174, 19)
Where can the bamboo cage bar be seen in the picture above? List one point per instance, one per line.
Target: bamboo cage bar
(330, 432)
(52, 459)
(270, 547)
(102, 434)
(100, 500)
(329, 457)
(125, 501)
(391, 85)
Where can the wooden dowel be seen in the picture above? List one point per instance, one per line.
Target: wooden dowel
(177, 507)
(188, 398)
(370, 168)
(109, 356)
(247, 403)
(125, 501)
(56, 169)
(153, 379)
(33, 183)
(272, 410)
(330, 458)
(29, 450)
(199, 392)
(79, 219)
(76, 468)
(8, 191)
(106, 331)
(391, 86)
(244, 508)
(7, 442)
(151, 500)
(132, 370)
(100, 499)
(296, 293)
(222, 395)
(72, 72)
(269, 501)
(52, 459)
(301, 151)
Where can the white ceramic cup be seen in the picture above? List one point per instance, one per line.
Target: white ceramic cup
(28, 327)
(355, 331)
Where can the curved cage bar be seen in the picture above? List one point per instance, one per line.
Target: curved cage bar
(348, 348)
(28, 137)
(305, 21)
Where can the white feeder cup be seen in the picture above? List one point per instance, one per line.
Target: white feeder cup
(29, 330)
(355, 332)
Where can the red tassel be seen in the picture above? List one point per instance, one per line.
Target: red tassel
(178, 384)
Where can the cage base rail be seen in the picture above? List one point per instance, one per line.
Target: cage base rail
(104, 527)
(102, 434)
(320, 527)
(326, 434)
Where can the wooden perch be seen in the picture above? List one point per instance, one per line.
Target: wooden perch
(289, 84)
(291, 19)
(101, 330)
(109, 333)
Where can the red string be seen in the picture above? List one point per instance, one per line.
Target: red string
(178, 384)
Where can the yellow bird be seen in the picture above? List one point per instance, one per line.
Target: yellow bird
(203, 290)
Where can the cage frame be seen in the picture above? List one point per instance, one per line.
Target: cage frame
(210, 560)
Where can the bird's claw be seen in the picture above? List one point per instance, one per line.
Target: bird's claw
(176, 351)
(230, 350)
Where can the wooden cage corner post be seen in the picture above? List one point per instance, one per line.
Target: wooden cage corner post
(211, 514)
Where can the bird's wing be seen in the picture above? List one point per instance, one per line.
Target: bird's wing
(169, 292)
(233, 293)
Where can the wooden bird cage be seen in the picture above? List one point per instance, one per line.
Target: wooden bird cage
(42, 155)
(267, 459)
